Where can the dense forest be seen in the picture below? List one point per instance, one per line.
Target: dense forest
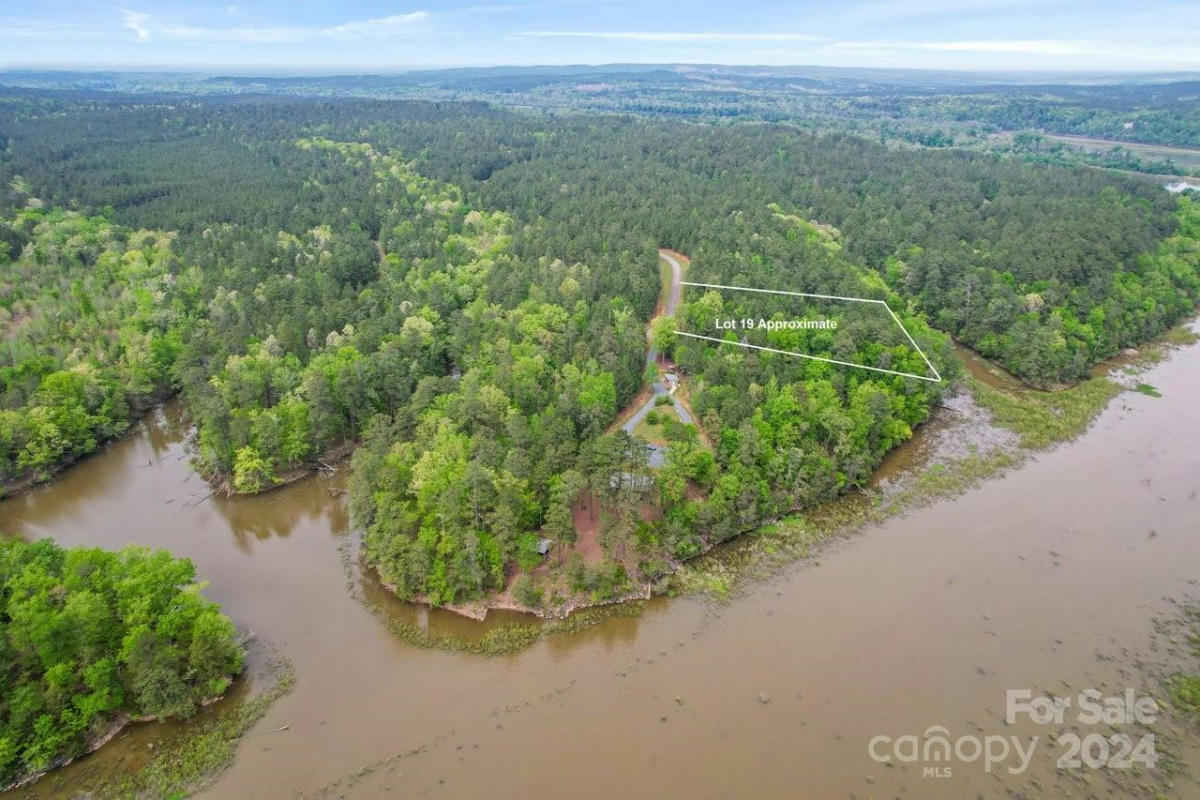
(1047, 270)
(462, 294)
(93, 320)
(90, 638)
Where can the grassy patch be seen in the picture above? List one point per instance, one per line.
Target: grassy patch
(512, 637)
(194, 759)
(589, 617)
(710, 578)
(1182, 684)
(652, 429)
(948, 479)
(1184, 690)
(1179, 336)
(1147, 389)
(503, 640)
(766, 549)
(1045, 418)
(1183, 687)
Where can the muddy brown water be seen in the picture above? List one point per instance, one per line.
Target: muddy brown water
(985, 371)
(1043, 579)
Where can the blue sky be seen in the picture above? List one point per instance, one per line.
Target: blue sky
(379, 35)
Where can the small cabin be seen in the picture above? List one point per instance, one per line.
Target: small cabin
(543, 546)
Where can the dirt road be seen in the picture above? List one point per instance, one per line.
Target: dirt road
(657, 453)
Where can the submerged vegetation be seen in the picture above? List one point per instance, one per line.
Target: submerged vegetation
(770, 547)
(510, 637)
(1184, 686)
(191, 761)
(1044, 418)
(1185, 693)
(90, 639)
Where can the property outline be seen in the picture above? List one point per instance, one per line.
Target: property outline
(937, 375)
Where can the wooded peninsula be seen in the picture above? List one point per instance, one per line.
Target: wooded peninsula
(460, 295)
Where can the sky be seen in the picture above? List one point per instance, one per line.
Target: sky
(381, 36)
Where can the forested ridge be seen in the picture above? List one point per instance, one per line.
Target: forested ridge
(462, 293)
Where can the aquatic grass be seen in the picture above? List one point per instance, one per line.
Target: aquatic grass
(1184, 691)
(713, 580)
(590, 617)
(503, 640)
(949, 479)
(765, 550)
(194, 759)
(1183, 687)
(1179, 336)
(1042, 419)
(511, 637)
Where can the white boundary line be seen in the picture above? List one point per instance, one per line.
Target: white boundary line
(780, 291)
(937, 375)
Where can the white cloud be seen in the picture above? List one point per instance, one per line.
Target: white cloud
(1047, 47)
(136, 22)
(669, 36)
(377, 28)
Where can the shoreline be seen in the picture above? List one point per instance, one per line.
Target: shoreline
(321, 463)
(478, 610)
(119, 724)
(194, 753)
(139, 408)
(907, 490)
(115, 728)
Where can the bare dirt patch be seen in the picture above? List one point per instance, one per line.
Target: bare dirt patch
(587, 515)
